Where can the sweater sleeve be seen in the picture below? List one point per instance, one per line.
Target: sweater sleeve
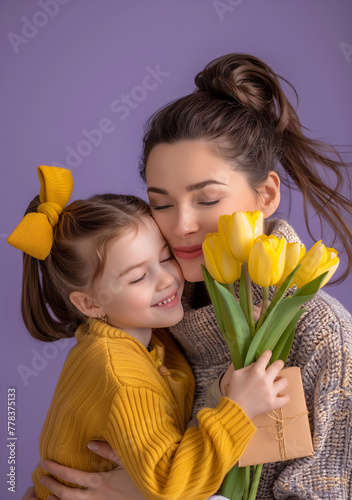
(163, 463)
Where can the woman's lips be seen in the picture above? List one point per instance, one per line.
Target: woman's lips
(188, 253)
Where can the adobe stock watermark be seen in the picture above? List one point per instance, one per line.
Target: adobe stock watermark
(346, 49)
(121, 107)
(30, 27)
(224, 6)
(40, 360)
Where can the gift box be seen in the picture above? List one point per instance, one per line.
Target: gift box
(282, 434)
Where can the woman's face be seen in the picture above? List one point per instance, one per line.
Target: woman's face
(188, 189)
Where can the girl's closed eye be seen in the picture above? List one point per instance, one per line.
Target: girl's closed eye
(171, 257)
(138, 280)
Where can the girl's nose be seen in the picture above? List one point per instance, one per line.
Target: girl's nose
(165, 279)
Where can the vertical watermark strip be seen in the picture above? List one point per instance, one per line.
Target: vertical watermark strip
(11, 439)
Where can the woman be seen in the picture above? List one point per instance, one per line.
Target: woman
(213, 152)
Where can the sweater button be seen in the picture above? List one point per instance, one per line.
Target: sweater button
(163, 370)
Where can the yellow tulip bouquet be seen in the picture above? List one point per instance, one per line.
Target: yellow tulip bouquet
(240, 250)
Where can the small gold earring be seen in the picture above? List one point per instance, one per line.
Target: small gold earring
(102, 318)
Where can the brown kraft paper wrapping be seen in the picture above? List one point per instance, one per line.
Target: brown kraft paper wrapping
(282, 434)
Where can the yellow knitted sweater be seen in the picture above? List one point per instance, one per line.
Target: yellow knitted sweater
(112, 389)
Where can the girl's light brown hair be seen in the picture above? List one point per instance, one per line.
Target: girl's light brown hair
(241, 109)
(77, 258)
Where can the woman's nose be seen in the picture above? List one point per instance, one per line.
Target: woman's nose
(185, 223)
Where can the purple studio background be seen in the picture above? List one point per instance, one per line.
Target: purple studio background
(71, 66)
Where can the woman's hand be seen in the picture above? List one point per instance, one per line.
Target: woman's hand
(30, 494)
(114, 485)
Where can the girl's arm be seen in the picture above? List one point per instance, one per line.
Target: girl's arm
(167, 464)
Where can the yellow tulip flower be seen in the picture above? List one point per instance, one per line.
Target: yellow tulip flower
(218, 260)
(240, 230)
(294, 254)
(267, 260)
(317, 261)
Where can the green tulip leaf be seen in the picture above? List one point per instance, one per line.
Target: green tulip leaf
(234, 483)
(283, 346)
(310, 288)
(275, 324)
(235, 323)
(224, 303)
(214, 297)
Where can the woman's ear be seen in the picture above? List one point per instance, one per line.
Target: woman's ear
(270, 194)
(85, 304)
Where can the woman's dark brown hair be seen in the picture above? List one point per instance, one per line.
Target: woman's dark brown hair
(241, 109)
(77, 258)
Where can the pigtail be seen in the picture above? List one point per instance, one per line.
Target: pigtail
(35, 313)
(38, 294)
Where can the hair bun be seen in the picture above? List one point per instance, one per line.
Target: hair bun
(246, 80)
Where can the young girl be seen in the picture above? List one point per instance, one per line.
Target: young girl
(100, 269)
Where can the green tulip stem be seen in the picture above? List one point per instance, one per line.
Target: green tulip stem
(257, 471)
(231, 288)
(249, 298)
(247, 484)
(265, 305)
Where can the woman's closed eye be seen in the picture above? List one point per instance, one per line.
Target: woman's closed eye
(209, 203)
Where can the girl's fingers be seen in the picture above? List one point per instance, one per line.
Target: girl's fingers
(280, 384)
(263, 360)
(274, 369)
(283, 400)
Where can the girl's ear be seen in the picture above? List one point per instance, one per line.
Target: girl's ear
(85, 304)
(270, 194)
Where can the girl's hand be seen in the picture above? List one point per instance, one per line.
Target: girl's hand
(114, 485)
(256, 388)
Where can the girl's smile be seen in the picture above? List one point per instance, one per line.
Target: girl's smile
(141, 284)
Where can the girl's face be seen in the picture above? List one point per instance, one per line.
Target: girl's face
(189, 188)
(141, 284)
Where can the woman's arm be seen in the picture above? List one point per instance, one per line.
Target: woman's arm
(114, 485)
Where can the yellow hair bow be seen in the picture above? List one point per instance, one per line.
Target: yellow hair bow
(34, 235)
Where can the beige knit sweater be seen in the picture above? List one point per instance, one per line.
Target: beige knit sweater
(322, 348)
